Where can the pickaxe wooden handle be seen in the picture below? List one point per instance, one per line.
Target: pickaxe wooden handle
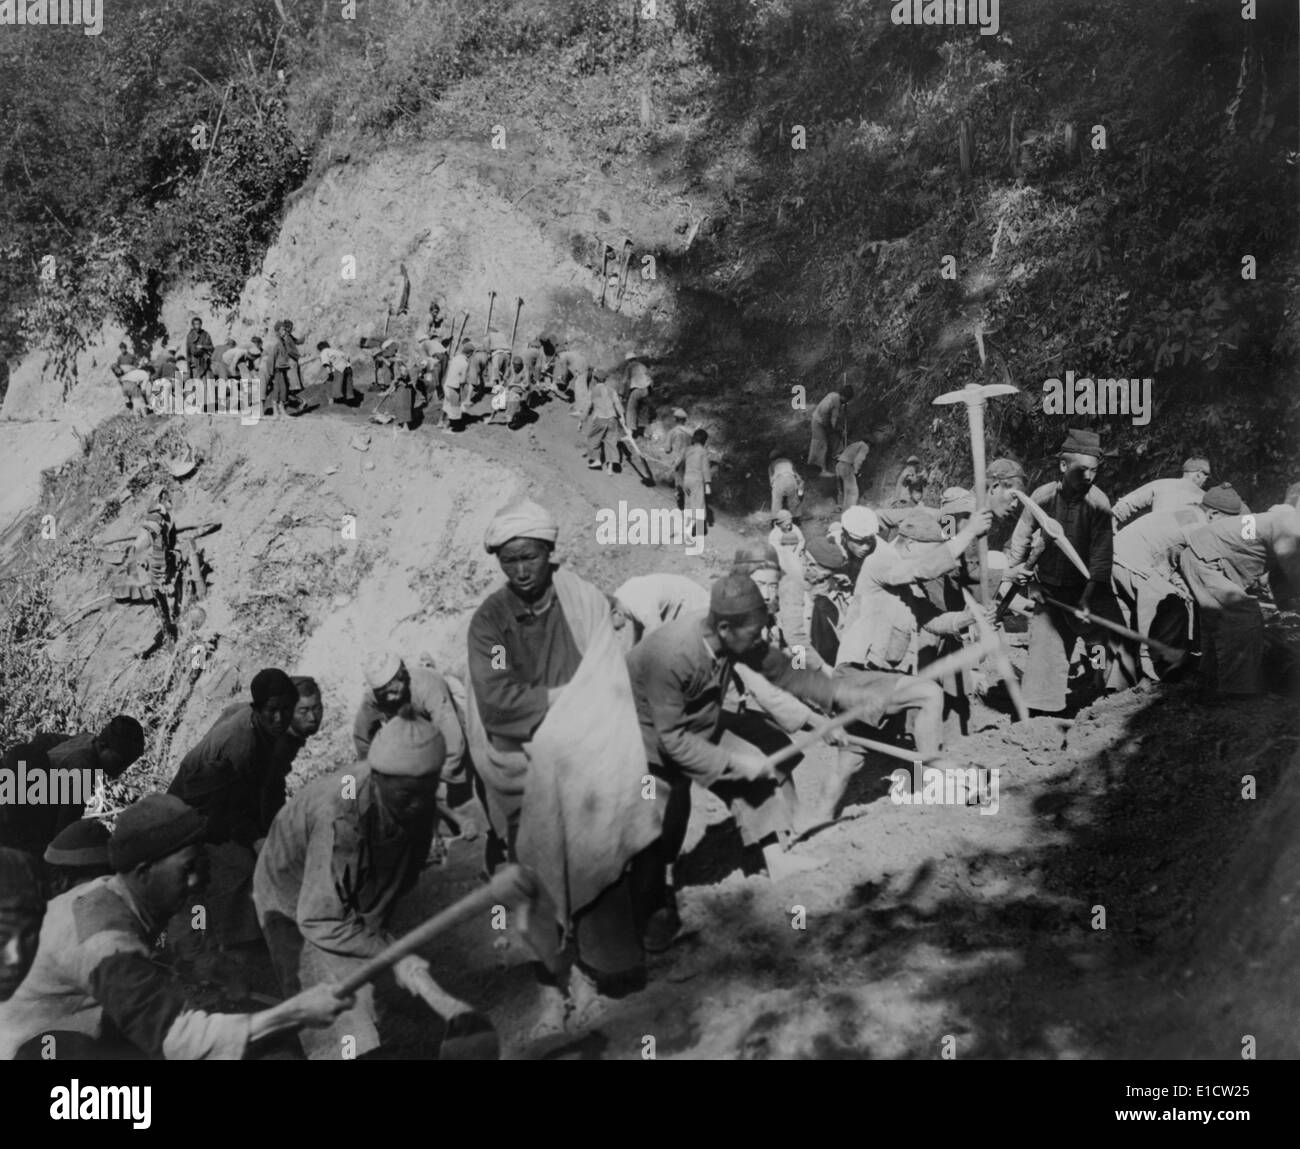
(1054, 531)
(962, 660)
(622, 274)
(487, 324)
(1173, 653)
(1001, 659)
(512, 884)
(514, 330)
(885, 748)
(604, 272)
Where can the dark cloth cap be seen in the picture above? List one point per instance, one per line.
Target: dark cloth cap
(84, 843)
(825, 553)
(1223, 498)
(920, 525)
(735, 596)
(1005, 469)
(20, 888)
(271, 683)
(152, 828)
(1079, 442)
(755, 556)
(125, 735)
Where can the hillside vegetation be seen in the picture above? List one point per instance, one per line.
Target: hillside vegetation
(843, 159)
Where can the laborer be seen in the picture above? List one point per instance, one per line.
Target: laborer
(1083, 512)
(570, 368)
(286, 380)
(909, 489)
(680, 676)
(337, 373)
(1221, 561)
(881, 633)
(603, 424)
(390, 685)
(235, 778)
(639, 382)
(1152, 595)
(454, 387)
(561, 770)
(403, 392)
(679, 442)
(787, 537)
(787, 487)
(95, 992)
(697, 484)
(1004, 476)
(338, 858)
(829, 421)
(649, 601)
(1161, 495)
(198, 350)
(848, 463)
(62, 769)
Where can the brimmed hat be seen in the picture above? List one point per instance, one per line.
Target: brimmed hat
(1082, 442)
(152, 828)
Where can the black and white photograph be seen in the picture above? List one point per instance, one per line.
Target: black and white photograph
(650, 530)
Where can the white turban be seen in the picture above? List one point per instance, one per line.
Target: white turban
(522, 520)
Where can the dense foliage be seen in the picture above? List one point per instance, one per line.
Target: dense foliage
(922, 143)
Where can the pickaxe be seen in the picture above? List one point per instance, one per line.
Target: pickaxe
(1173, 653)
(963, 659)
(487, 325)
(975, 395)
(604, 272)
(1054, 531)
(456, 338)
(469, 1034)
(622, 274)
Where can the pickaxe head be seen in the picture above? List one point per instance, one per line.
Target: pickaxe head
(976, 393)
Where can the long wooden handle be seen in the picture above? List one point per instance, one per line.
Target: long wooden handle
(512, 884)
(886, 749)
(961, 660)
